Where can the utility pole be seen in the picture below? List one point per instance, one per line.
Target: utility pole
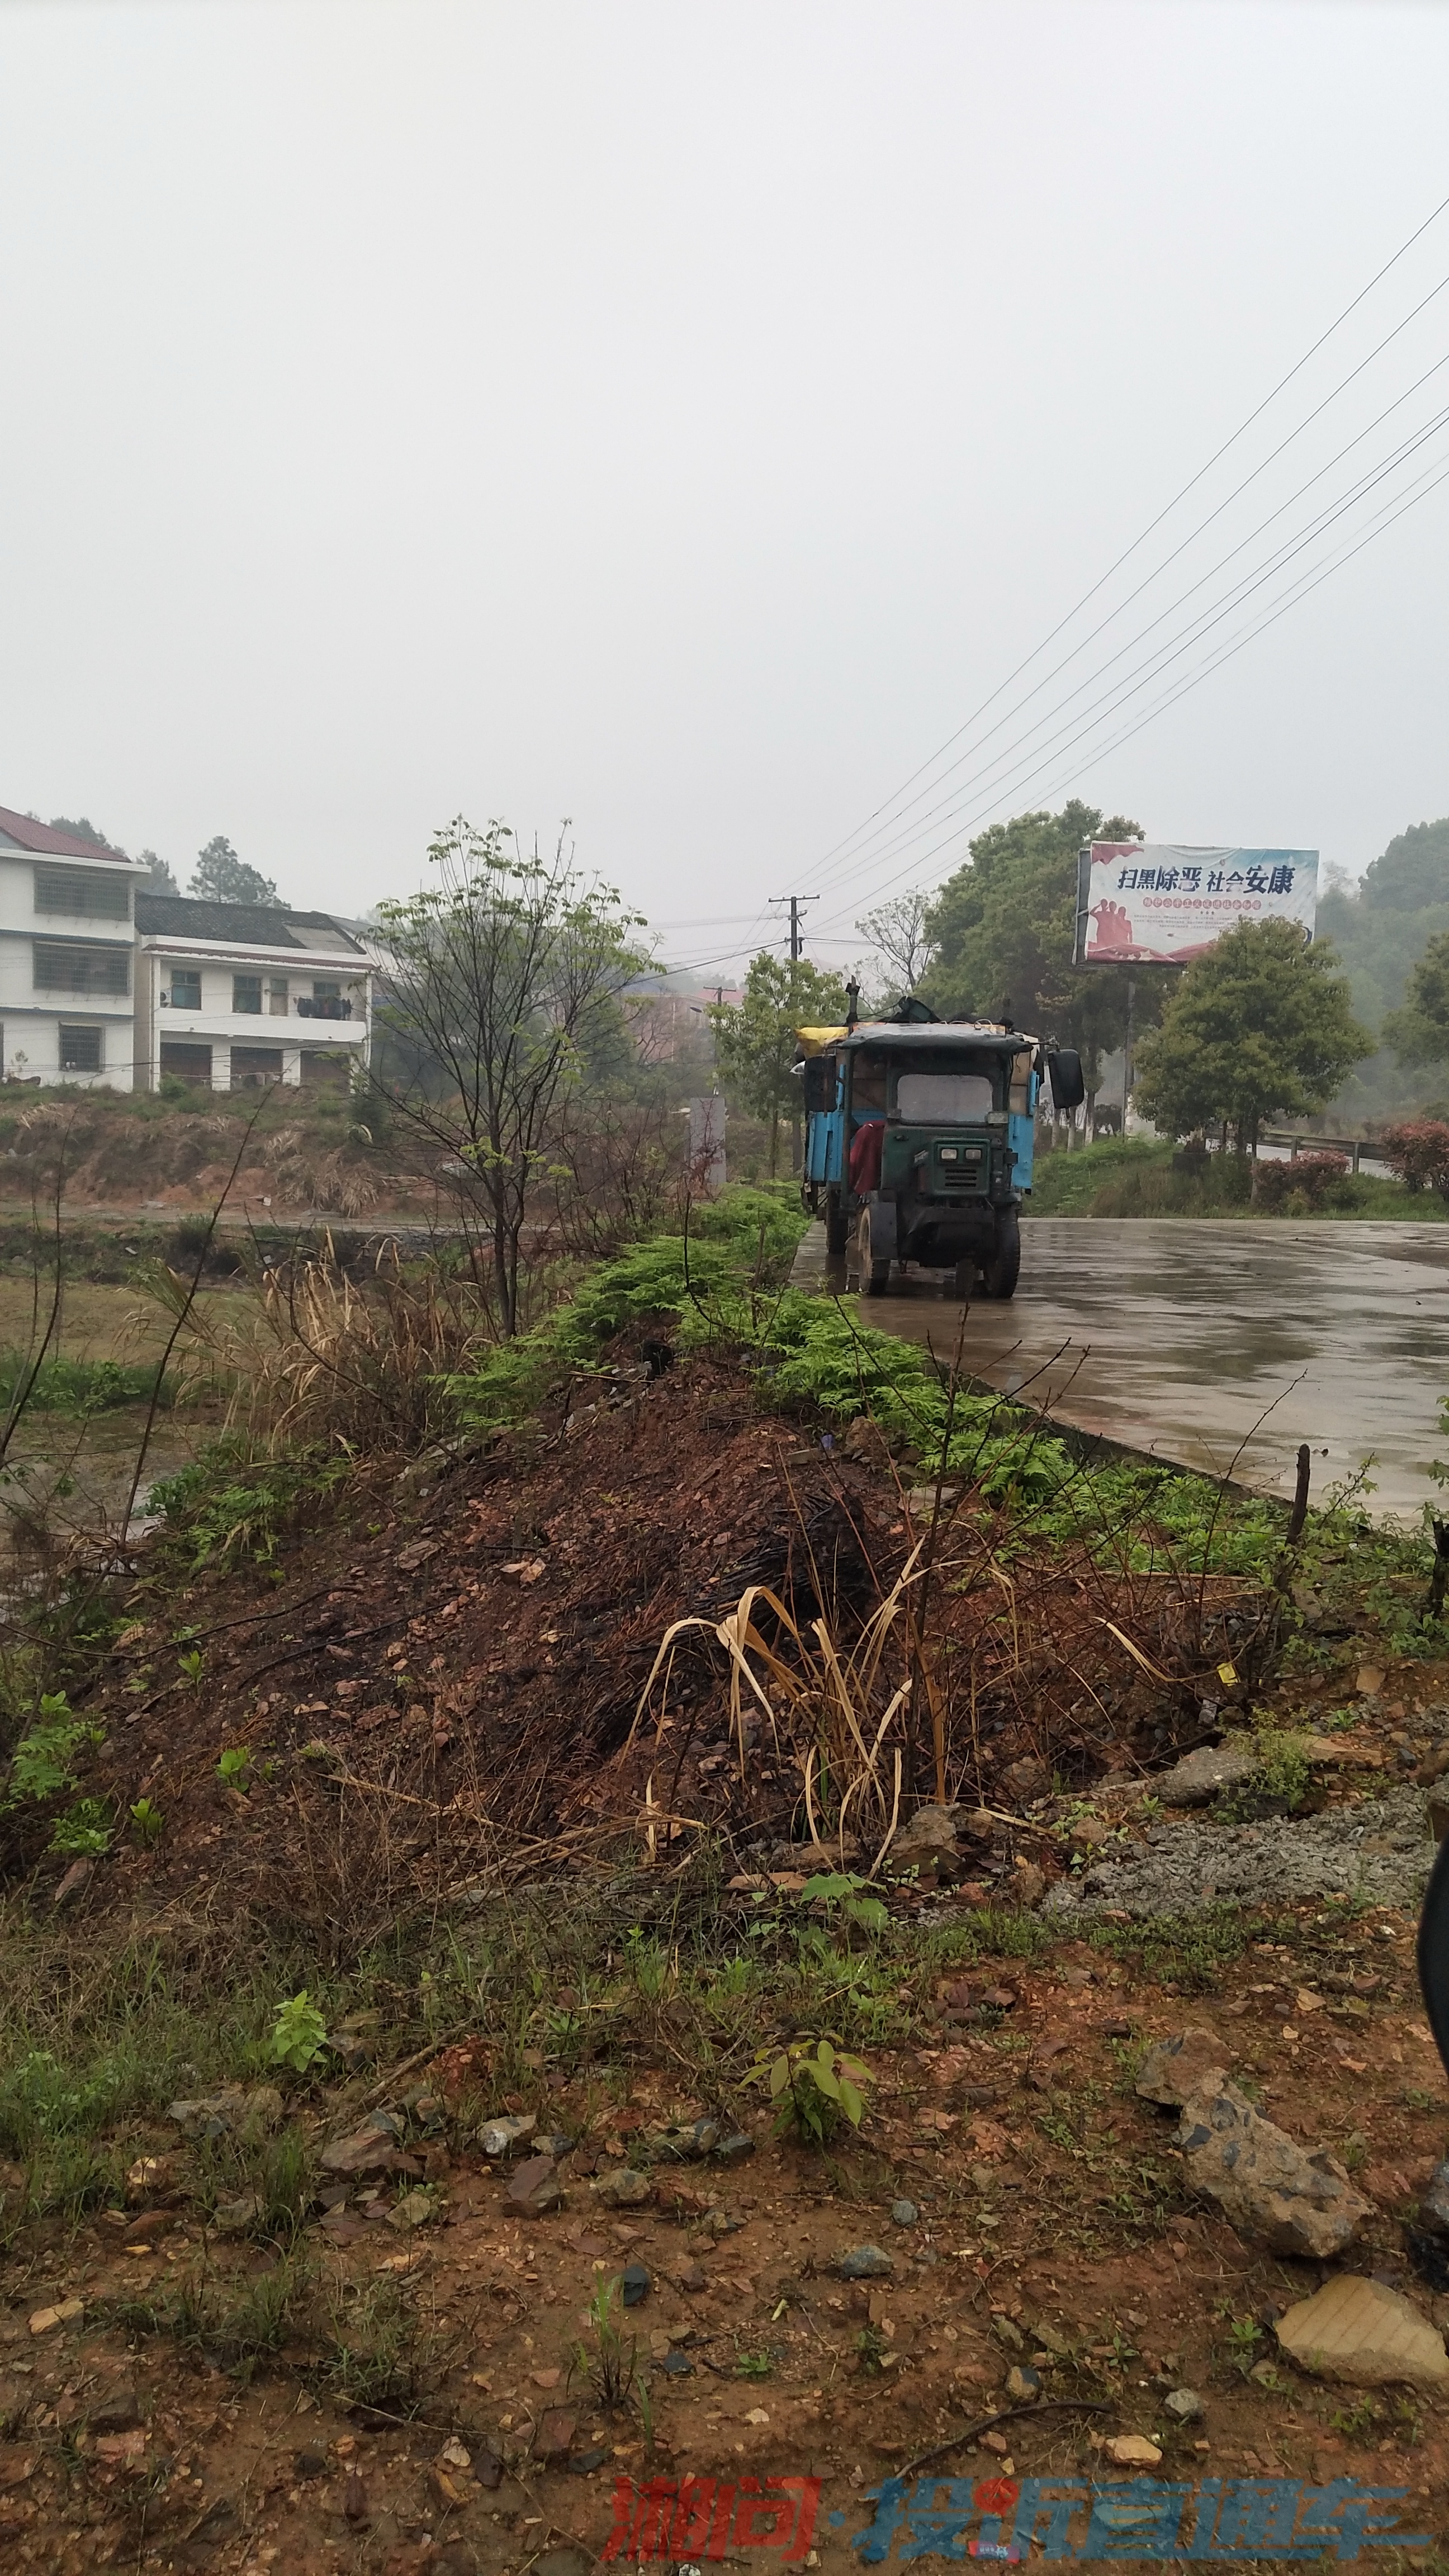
(796, 903)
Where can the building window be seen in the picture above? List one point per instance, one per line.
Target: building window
(80, 1049)
(246, 993)
(277, 997)
(65, 966)
(326, 988)
(98, 895)
(186, 988)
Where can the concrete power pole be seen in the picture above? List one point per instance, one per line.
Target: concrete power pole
(797, 903)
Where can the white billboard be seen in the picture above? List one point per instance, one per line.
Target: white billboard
(1158, 903)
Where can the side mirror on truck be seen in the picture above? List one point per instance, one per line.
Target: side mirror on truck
(1064, 1071)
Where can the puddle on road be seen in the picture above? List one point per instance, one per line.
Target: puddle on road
(1220, 1345)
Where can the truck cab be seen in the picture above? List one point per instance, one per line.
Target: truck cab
(919, 1140)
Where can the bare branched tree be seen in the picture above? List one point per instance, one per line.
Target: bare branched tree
(502, 976)
(898, 931)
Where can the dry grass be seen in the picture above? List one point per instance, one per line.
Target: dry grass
(315, 1359)
(836, 1713)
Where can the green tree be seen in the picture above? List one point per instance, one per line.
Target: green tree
(755, 1038)
(1419, 1033)
(1004, 928)
(1260, 1026)
(162, 879)
(502, 977)
(224, 878)
(84, 830)
(1412, 873)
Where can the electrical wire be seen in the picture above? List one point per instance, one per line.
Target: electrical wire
(832, 878)
(842, 846)
(1170, 648)
(1299, 590)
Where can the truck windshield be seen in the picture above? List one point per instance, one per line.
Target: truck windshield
(943, 1098)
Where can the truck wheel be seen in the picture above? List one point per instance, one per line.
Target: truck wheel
(874, 1275)
(837, 1223)
(1003, 1270)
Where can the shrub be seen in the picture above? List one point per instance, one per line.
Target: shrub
(1310, 1177)
(1418, 1151)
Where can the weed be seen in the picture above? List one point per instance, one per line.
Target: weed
(607, 2364)
(840, 1890)
(147, 1822)
(874, 2351)
(299, 2033)
(229, 1503)
(754, 2365)
(1244, 2337)
(812, 2089)
(40, 1766)
(84, 1830)
(1189, 1951)
(380, 2353)
(193, 1665)
(233, 1766)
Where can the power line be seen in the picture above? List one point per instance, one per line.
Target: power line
(842, 873)
(1172, 646)
(1299, 591)
(1155, 523)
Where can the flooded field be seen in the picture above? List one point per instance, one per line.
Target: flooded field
(1218, 1345)
(69, 1466)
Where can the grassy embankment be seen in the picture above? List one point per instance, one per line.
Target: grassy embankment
(97, 2033)
(1134, 1177)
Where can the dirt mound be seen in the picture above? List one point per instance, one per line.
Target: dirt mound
(456, 1674)
(120, 1153)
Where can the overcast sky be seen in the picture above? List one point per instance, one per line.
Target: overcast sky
(681, 417)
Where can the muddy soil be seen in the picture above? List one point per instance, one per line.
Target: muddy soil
(1048, 2231)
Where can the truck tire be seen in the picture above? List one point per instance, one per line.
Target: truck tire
(1003, 1270)
(875, 1275)
(837, 1223)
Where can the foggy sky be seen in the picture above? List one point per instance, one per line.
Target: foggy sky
(679, 417)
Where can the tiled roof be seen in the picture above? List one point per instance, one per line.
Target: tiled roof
(56, 845)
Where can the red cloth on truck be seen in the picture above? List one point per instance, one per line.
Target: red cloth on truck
(867, 1146)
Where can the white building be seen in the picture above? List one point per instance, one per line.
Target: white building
(67, 952)
(230, 994)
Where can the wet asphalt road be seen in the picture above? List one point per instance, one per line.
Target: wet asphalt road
(1220, 1345)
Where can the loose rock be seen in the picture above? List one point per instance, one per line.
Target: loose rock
(1176, 2067)
(117, 2412)
(1023, 2384)
(1434, 2203)
(1267, 2187)
(1184, 2405)
(636, 2284)
(554, 2437)
(535, 2187)
(1199, 1776)
(372, 2148)
(904, 2213)
(500, 2137)
(622, 2188)
(1364, 2334)
(927, 1841)
(1132, 2451)
(864, 2263)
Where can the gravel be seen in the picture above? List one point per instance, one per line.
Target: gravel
(1381, 1850)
